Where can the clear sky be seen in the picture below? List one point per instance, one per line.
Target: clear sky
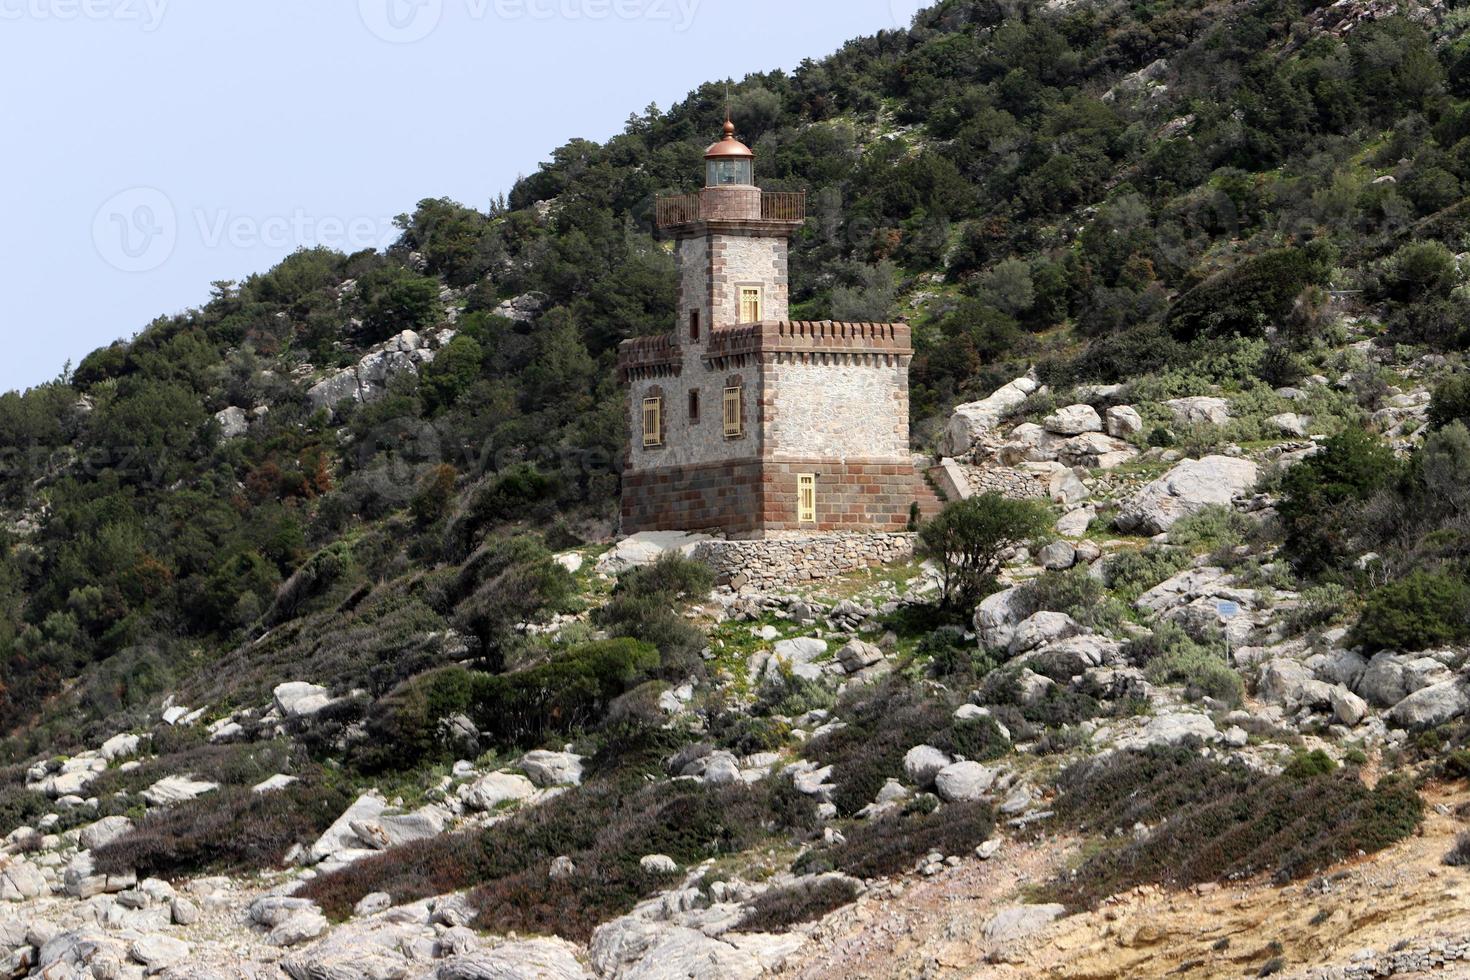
(152, 147)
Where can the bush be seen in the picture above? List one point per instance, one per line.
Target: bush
(1171, 656)
(1418, 612)
(232, 830)
(1450, 402)
(780, 908)
(1075, 593)
(893, 844)
(1211, 529)
(1320, 493)
(1129, 574)
(1258, 293)
(646, 605)
(1459, 855)
(1305, 765)
(968, 539)
(1419, 271)
(605, 828)
(1221, 821)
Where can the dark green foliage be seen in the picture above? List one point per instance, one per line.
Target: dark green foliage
(647, 605)
(1172, 656)
(1418, 612)
(780, 908)
(883, 723)
(1219, 822)
(233, 830)
(606, 828)
(393, 299)
(1256, 294)
(1305, 765)
(1450, 402)
(1459, 855)
(1073, 592)
(1320, 494)
(891, 845)
(968, 538)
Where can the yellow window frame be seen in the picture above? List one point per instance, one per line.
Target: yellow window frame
(806, 498)
(734, 413)
(653, 422)
(751, 303)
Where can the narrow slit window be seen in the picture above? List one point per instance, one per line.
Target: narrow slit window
(806, 498)
(653, 422)
(750, 304)
(693, 324)
(734, 413)
(694, 407)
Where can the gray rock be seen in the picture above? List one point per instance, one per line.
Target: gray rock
(104, 831)
(372, 904)
(1197, 411)
(21, 881)
(1124, 421)
(490, 791)
(972, 421)
(1041, 629)
(1290, 424)
(120, 747)
(1074, 524)
(924, 762)
(299, 700)
(1348, 707)
(233, 423)
(274, 784)
(340, 835)
(158, 953)
(1021, 922)
(177, 789)
(1058, 556)
(1073, 420)
(659, 864)
(858, 655)
(299, 927)
(395, 830)
(964, 782)
(182, 911)
(997, 617)
(1431, 707)
(1187, 489)
(548, 769)
(269, 911)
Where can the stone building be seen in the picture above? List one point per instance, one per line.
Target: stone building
(742, 420)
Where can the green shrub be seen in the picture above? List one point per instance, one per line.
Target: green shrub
(1129, 574)
(891, 845)
(232, 830)
(1257, 293)
(605, 827)
(1450, 401)
(1420, 611)
(646, 605)
(1320, 494)
(1074, 592)
(968, 539)
(1319, 606)
(1305, 765)
(1171, 656)
(1419, 271)
(778, 909)
(1211, 529)
(1219, 821)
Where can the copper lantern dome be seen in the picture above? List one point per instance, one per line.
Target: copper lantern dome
(729, 163)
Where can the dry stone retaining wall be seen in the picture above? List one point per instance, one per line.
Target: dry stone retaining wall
(782, 561)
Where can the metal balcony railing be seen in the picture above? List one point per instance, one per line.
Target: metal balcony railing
(683, 209)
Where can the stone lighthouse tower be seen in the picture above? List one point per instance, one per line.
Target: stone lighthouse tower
(742, 420)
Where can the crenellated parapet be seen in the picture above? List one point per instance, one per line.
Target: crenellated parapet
(812, 337)
(647, 358)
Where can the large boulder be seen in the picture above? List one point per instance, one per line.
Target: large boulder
(964, 782)
(924, 762)
(1199, 411)
(647, 547)
(1074, 420)
(548, 769)
(1431, 706)
(177, 789)
(1187, 489)
(340, 836)
(298, 699)
(531, 959)
(974, 420)
(997, 617)
(1124, 421)
(489, 792)
(1042, 629)
(1021, 922)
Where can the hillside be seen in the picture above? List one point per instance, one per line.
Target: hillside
(319, 653)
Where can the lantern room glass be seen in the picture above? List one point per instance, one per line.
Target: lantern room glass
(730, 172)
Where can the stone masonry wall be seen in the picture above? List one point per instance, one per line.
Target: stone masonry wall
(837, 406)
(752, 260)
(782, 561)
(739, 497)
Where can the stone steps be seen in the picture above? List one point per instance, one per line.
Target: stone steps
(930, 500)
